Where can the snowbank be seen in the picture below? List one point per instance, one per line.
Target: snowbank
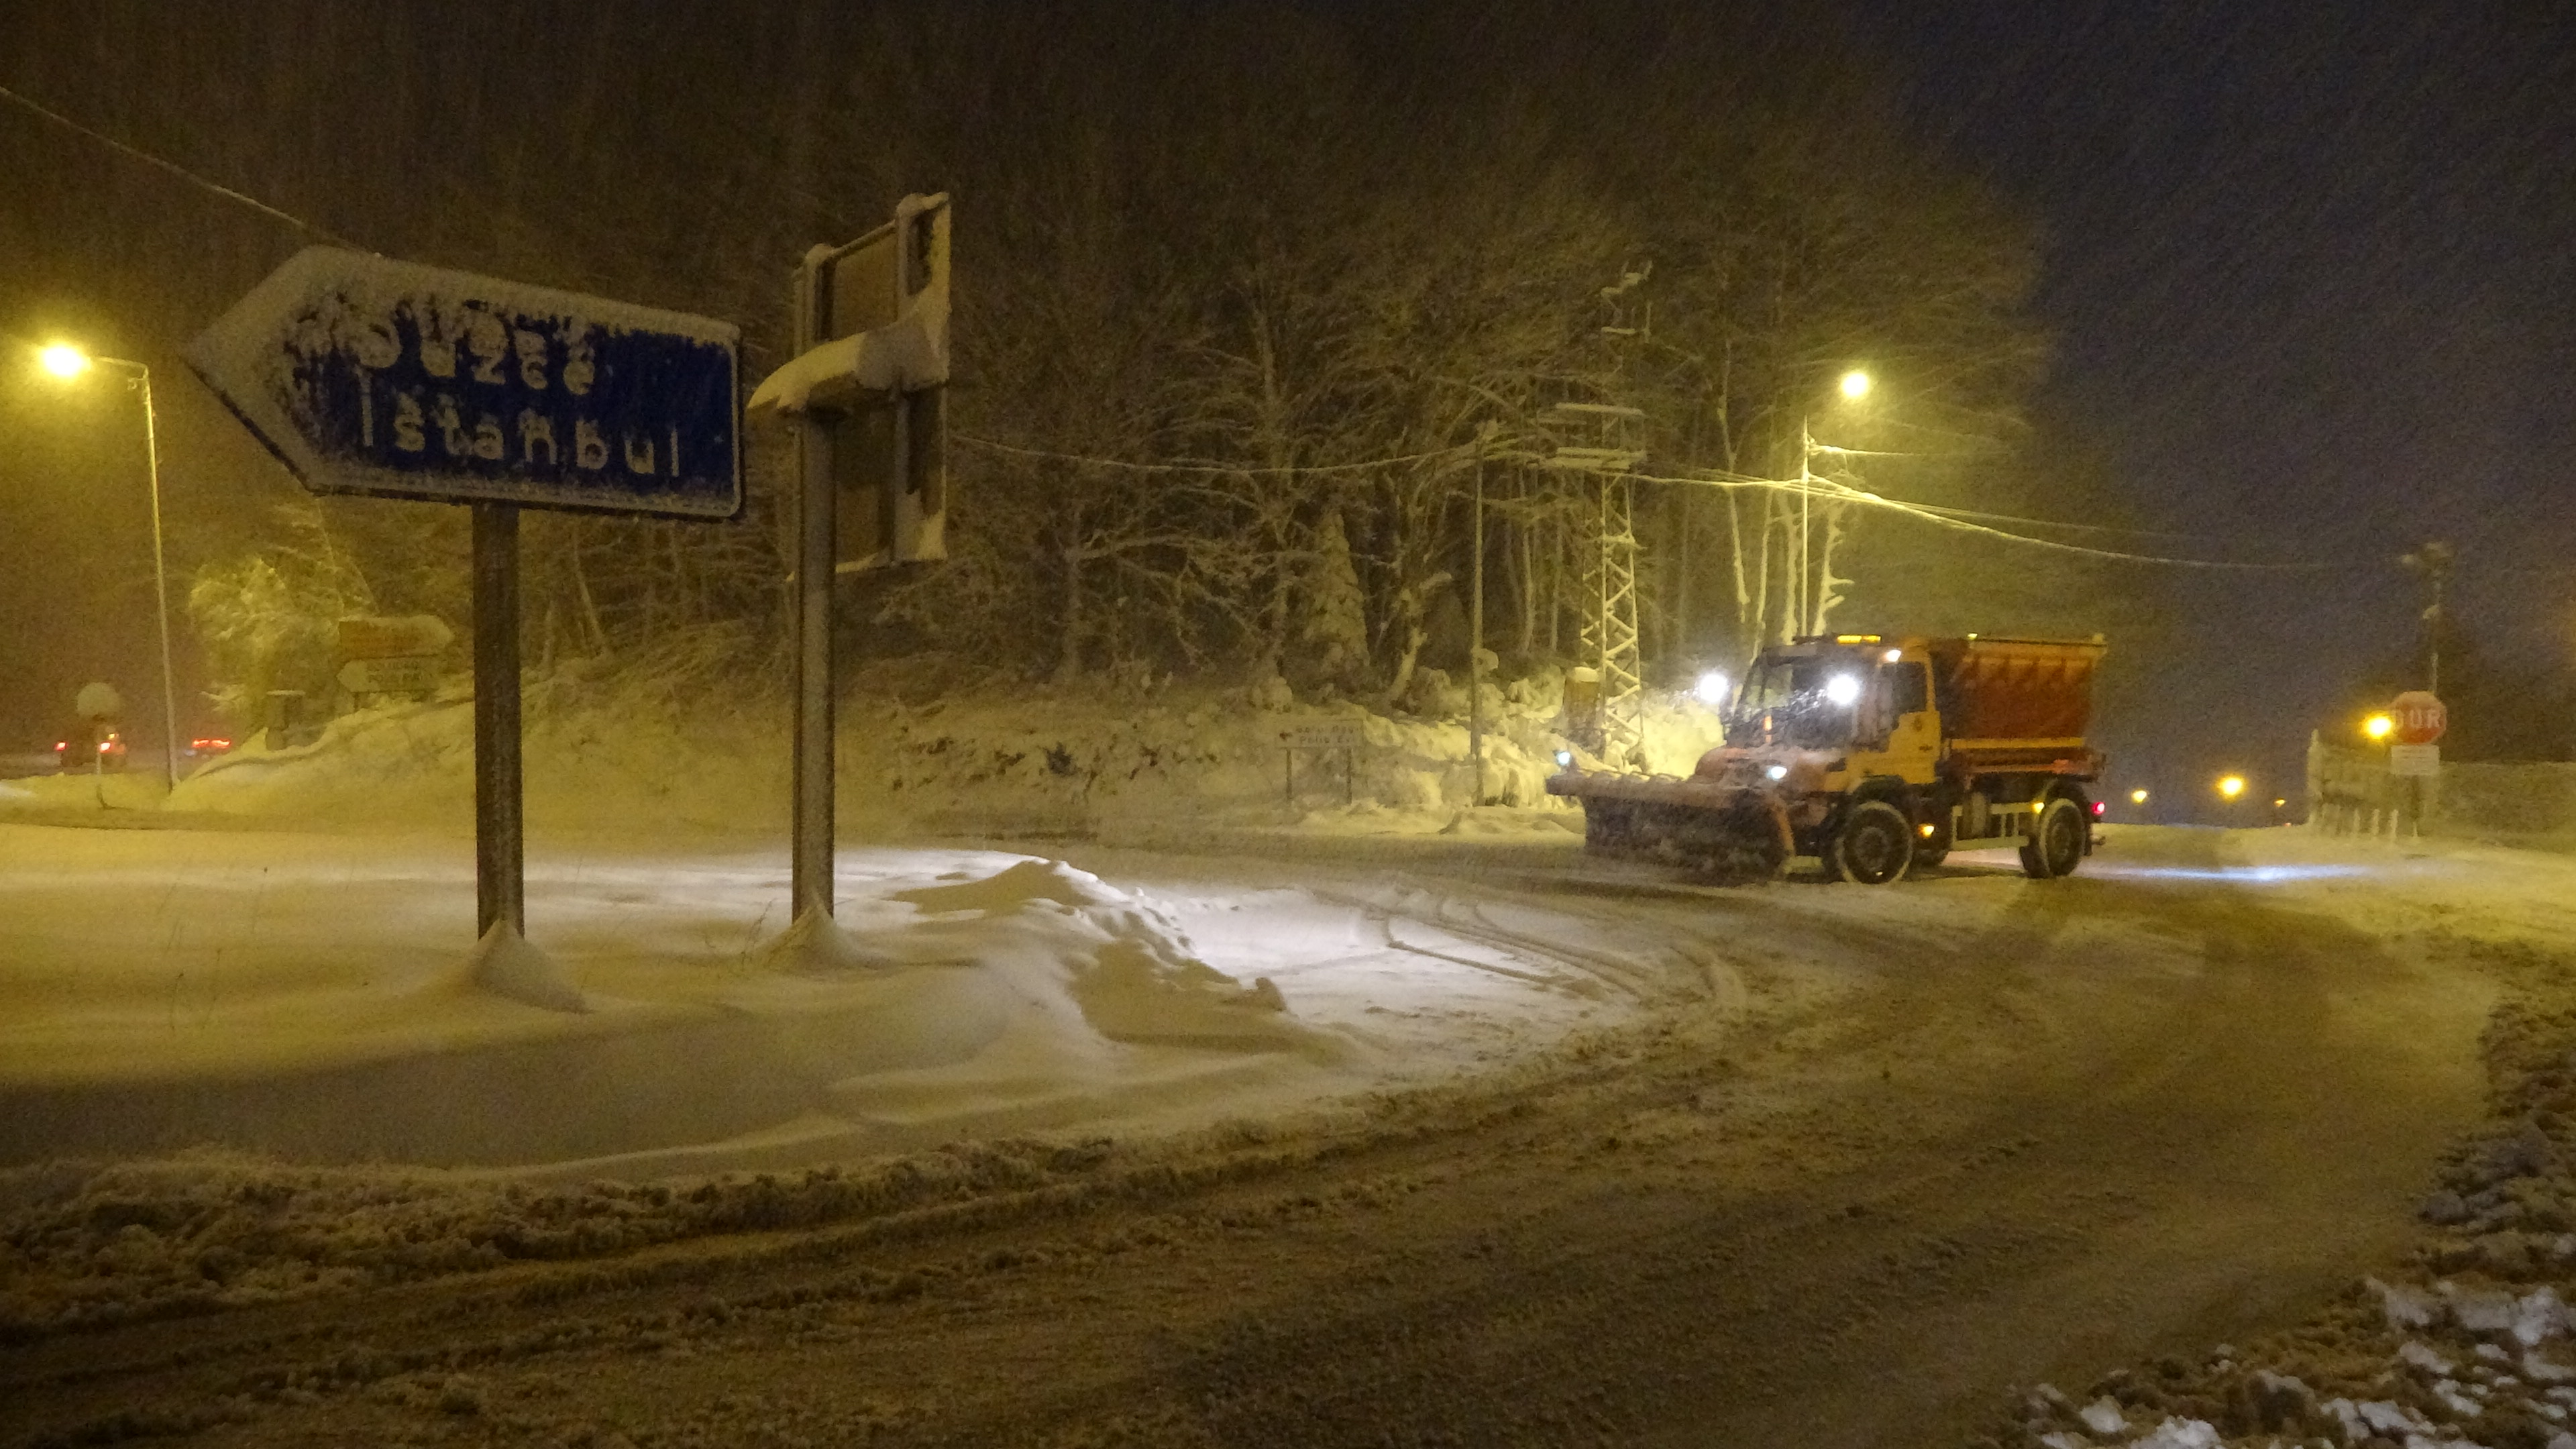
(1040, 763)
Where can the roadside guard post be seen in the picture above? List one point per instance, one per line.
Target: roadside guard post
(370, 376)
(867, 390)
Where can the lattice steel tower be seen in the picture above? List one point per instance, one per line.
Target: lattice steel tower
(1617, 434)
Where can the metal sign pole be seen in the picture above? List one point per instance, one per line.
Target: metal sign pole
(1476, 643)
(500, 895)
(811, 876)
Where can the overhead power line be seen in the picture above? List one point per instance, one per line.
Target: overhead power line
(1129, 466)
(1960, 520)
(175, 169)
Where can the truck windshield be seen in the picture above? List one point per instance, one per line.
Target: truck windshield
(1798, 702)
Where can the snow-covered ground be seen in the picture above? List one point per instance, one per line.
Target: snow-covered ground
(277, 960)
(277, 955)
(317, 996)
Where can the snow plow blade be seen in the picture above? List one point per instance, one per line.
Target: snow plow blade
(1725, 829)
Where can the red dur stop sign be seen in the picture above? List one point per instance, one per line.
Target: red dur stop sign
(2419, 717)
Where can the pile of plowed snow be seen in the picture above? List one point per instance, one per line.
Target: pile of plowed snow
(999, 994)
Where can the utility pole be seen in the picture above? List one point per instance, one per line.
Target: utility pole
(2433, 562)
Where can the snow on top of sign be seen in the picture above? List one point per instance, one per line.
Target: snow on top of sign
(909, 355)
(324, 294)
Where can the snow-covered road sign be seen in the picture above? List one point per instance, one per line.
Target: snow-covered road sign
(368, 375)
(1338, 735)
(367, 636)
(2417, 760)
(415, 675)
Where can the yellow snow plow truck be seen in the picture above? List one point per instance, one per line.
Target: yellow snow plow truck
(1874, 755)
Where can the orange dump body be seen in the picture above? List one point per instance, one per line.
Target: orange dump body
(2014, 689)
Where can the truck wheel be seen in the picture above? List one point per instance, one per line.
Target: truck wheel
(2056, 845)
(1875, 845)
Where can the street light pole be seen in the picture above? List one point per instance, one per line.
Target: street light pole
(160, 582)
(66, 361)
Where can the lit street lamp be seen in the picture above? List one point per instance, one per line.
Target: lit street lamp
(1856, 384)
(2378, 726)
(2138, 797)
(2231, 786)
(66, 361)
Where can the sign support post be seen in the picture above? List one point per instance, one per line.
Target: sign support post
(865, 393)
(500, 881)
(1476, 643)
(817, 531)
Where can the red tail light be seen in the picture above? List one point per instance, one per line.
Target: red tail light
(2097, 807)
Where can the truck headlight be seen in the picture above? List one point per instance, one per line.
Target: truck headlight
(1776, 772)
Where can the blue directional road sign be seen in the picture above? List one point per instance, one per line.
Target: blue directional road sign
(367, 375)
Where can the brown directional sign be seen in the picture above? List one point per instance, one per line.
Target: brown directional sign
(395, 637)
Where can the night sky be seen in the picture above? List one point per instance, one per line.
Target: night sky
(2312, 271)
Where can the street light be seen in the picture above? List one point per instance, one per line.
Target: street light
(2378, 726)
(1856, 384)
(66, 361)
(2137, 797)
(2231, 786)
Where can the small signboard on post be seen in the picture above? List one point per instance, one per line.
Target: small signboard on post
(2414, 760)
(371, 637)
(373, 376)
(1343, 737)
(417, 674)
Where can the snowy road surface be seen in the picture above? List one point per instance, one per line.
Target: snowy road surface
(1630, 1161)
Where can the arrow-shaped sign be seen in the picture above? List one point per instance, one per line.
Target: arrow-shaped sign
(367, 375)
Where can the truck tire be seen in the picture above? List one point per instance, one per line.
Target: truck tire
(1874, 845)
(2056, 845)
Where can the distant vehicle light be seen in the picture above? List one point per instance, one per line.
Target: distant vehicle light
(2137, 797)
(1843, 689)
(1777, 772)
(1711, 689)
(2097, 807)
(1855, 638)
